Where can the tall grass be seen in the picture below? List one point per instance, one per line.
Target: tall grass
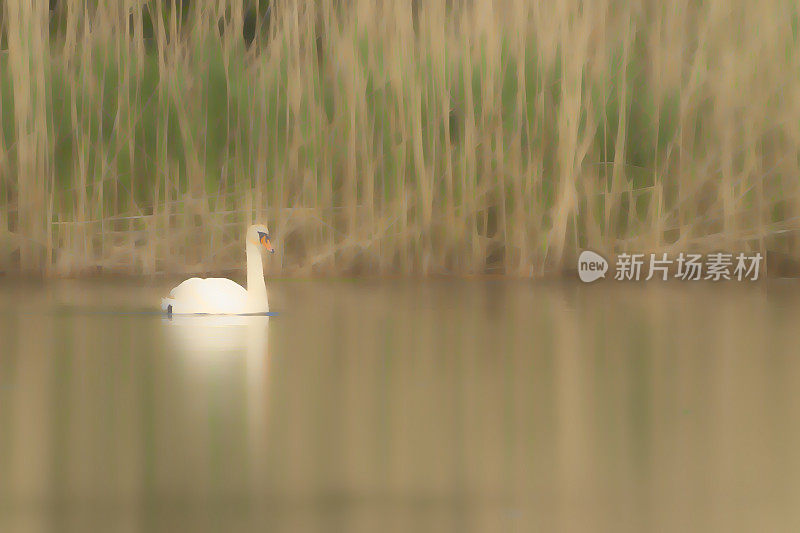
(394, 137)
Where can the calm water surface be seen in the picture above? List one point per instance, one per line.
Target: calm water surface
(403, 406)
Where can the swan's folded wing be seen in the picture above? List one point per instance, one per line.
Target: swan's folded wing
(211, 295)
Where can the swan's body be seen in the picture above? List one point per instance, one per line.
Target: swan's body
(213, 296)
(221, 296)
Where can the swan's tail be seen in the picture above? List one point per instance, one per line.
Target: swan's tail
(166, 305)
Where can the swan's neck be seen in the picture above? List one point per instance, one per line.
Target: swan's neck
(256, 287)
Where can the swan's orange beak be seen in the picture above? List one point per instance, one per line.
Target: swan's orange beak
(267, 244)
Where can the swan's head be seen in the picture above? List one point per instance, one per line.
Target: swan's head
(258, 234)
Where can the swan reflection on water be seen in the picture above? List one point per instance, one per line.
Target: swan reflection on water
(196, 335)
(230, 352)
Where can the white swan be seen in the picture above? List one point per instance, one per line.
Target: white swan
(221, 296)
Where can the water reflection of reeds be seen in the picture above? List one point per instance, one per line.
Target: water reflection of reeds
(412, 407)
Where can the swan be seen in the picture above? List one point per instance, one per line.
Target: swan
(221, 296)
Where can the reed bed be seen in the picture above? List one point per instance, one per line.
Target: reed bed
(405, 137)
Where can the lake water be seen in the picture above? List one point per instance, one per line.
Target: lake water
(403, 406)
